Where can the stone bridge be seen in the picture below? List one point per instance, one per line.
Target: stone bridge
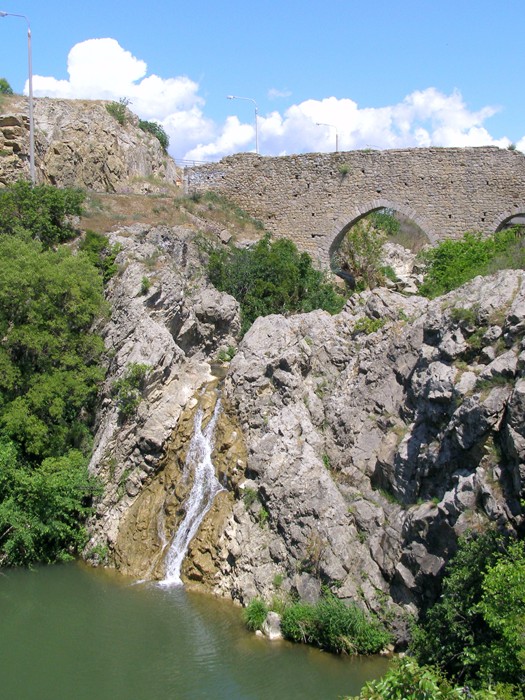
(314, 198)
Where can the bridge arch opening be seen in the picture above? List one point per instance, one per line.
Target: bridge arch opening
(370, 239)
(508, 221)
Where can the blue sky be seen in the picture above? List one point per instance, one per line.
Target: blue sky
(382, 74)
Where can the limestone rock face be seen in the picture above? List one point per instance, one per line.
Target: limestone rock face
(79, 144)
(353, 450)
(370, 453)
(133, 456)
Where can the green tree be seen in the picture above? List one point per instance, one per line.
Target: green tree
(157, 130)
(5, 88)
(42, 212)
(49, 375)
(42, 507)
(360, 252)
(469, 633)
(271, 278)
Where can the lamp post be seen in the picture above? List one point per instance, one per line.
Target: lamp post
(30, 75)
(250, 99)
(336, 134)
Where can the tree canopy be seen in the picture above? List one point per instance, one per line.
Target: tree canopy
(49, 374)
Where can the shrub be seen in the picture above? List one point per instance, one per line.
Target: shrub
(5, 88)
(454, 262)
(271, 277)
(97, 248)
(128, 389)
(118, 110)
(255, 613)
(42, 212)
(360, 255)
(157, 130)
(334, 625)
(406, 680)
(474, 631)
(145, 285)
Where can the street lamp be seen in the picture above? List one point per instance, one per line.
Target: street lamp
(336, 134)
(236, 97)
(30, 72)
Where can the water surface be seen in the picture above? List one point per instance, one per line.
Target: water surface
(74, 632)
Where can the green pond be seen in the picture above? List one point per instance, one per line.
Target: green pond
(74, 632)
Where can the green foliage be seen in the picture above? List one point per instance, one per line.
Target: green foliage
(5, 88)
(385, 221)
(42, 212)
(334, 625)
(406, 680)
(145, 285)
(100, 253)
(360, 254)
(118, 110)
(42, 507)
(249, 496)
(49, 362)
(454, 262)
(227, 355)
(271, 277)
(128, 389)
(471, 632)
(368, 325)
(49, 375)
(157, 130)
(254, 614)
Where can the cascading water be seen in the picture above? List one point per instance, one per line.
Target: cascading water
(205, 487)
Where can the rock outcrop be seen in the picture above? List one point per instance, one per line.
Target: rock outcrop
(354, 449)
(79, 144)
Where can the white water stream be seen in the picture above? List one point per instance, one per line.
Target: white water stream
(199, 501)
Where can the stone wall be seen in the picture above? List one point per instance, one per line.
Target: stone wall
(313, 198)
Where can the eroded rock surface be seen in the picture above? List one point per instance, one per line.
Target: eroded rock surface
(353, 449)
(79, 144)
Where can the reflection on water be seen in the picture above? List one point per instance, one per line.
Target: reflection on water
(72, 632)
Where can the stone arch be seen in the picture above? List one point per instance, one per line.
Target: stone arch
(502, 218)
(347, 220)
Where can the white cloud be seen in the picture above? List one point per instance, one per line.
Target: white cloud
(274, 93)
(102, 69)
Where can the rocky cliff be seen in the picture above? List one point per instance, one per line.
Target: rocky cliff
(353, 449)
(79, 144)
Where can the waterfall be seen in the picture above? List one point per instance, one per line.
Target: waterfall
(199, 501)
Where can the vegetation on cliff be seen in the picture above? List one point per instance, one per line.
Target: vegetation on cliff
(271, 277)
(454, 262)
(50, 371)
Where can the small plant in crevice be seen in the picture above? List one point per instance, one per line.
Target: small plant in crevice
(249, 496)
(263, 517)
(145, 285)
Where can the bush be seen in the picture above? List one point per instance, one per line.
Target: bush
(406, 680)
(255, 614)
(360, 255)
(42, 212)
(128, 389)
(271, 278)
(101, 254)
(474, 633)
(5, 88)
(334, 625)
(157, 130)
(118, 110)
(454, 262)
